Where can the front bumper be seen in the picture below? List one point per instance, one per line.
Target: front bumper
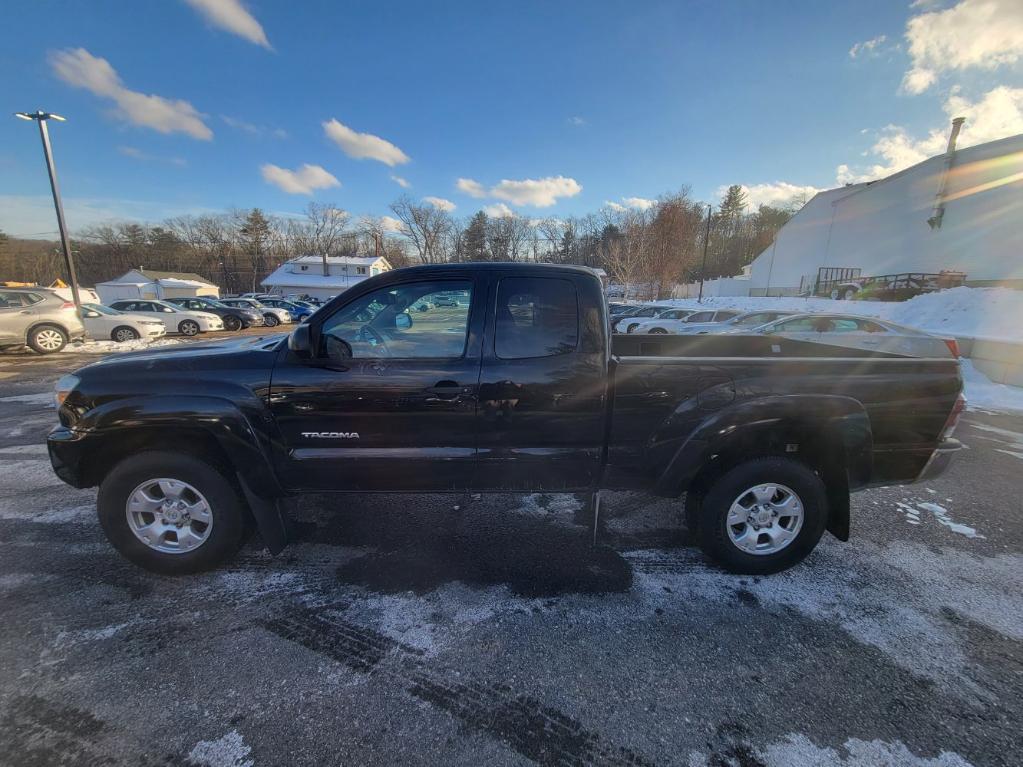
(66, 448)
(940, 459)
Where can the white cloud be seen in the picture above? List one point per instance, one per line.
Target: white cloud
(305, 180)
(615, 206)
(364, 146)
(253, 129)
(232, 16)
(137, 154)
(499, 210)
(402, 182)
(981, 34)
(440, 203)
(471, 188)
(639, 203)
(999, 113)
(780, 194)
(540, 193)
(81, 69)
(867, 47)
(390, 224)
(577, 121)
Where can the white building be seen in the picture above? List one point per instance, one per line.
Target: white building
(146, 283)
(304, 275)
(882, 227)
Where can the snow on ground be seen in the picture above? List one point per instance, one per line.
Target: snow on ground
(111, 347)
(984, 394)
(995, 313)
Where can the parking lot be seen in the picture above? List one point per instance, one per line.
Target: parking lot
(450, 630)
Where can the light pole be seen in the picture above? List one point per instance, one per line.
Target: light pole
(706, 242)
(41, 117)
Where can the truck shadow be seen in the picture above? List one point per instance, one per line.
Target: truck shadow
(537, 546)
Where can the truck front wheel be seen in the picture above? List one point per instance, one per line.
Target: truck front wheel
(171, 513)
(762, 516)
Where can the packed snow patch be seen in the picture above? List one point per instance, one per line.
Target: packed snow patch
(940, 514)
(799, 751)
(228, 751)
(41, 398)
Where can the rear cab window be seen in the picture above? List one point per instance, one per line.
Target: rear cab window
(535, 317)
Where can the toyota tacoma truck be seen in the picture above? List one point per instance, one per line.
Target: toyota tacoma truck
(510, 381)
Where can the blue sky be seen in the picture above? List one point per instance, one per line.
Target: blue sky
(592, 102)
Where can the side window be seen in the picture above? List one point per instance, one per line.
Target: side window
(844, 326)
(8, 300)
(415, 320)
(700, 317)
(536, 317)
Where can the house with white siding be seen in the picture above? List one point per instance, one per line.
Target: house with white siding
(309, 275)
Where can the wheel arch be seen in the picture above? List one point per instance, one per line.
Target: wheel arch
(46, 324)
(830, 434)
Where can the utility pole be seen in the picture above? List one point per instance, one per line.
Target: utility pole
(706, 242)
(69, 262)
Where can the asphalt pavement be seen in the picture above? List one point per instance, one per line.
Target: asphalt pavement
(435, 629)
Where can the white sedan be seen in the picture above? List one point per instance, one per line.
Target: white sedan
(102, 322)
(663, 324)
(177, 320)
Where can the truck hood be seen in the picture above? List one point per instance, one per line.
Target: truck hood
(185, 355)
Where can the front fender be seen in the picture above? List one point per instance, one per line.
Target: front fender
(245, 445)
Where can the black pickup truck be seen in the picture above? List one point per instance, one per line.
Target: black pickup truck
(496, 378)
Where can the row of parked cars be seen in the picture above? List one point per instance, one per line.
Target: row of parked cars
(44, 321)
(842, 330)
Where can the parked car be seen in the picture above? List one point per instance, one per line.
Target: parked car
(233, 317)
(38, 318)
(694, 321)
(740, 323)
(272, 317)
(518, 391)
(861, 333)
(445, 299)
(671, 317)
(184, 321)
(298, 312)
(102, 323)
(644, 312)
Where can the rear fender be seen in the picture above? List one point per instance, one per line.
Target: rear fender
(831, 433)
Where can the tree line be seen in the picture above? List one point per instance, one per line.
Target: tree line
(649, 250)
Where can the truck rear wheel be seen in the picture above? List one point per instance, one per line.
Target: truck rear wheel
(762, 516)
(171, 513)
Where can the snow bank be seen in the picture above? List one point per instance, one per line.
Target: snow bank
(984, 394)
(995, 313)
(112, 347)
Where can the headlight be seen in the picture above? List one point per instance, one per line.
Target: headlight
(64, 386)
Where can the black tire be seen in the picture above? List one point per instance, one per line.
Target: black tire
(232, 322)
(631, 327)
(47, 339)
(228, 518)
(714, 503)
(188, 328)
(271, 320)
(123, 333)
(659, 332)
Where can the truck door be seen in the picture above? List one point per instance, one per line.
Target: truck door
(543, 384)
(388, 399)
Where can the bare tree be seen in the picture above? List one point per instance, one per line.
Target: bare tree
(322, 232)
(427, 228)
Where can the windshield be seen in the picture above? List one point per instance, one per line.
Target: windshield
(102, 309)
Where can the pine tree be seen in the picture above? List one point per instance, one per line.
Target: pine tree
(475, 239)
(255, 232)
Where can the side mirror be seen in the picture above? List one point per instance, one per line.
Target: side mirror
(301, 341)
(402, 321)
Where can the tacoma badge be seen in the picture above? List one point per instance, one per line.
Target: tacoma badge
(331, 434)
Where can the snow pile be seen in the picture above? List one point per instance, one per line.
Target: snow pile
(995, 313)
(984, 394)
(112, 347)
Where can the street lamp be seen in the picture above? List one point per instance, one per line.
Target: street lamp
(41, 117)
